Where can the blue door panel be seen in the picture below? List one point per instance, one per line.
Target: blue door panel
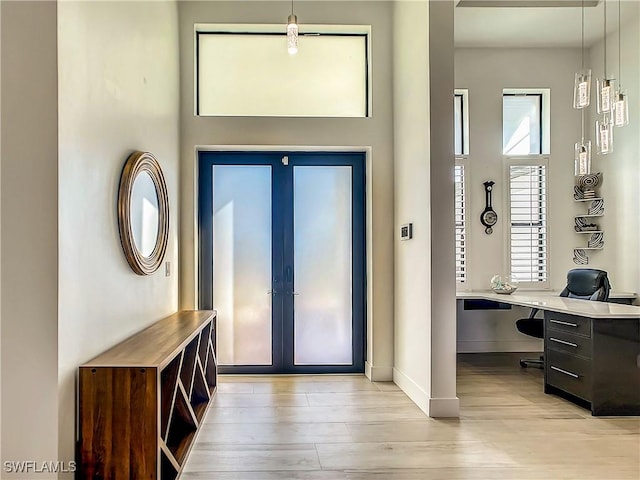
(283, 250)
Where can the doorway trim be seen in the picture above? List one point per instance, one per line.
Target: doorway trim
(383, 375)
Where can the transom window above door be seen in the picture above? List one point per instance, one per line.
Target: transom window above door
(245, 70)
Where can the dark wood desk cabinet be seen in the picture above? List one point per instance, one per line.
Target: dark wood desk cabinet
(142, 402)
(596, 360)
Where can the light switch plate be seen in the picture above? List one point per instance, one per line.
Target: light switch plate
(406, 231)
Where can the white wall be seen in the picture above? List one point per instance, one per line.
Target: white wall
(118, 92)
(412, 334)
(375, 132)
(0, 240)
(486, 72)
(418, 309)
(621, 169)
(443, 402)
(29, 269)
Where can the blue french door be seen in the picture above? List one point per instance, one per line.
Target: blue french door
(282, 259)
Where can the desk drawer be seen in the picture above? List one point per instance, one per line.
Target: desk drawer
(568, 323)
(568, 343)
(569, 373)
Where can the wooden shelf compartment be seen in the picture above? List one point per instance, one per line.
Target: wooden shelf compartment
(182, 427)
(205, 336)
(188, 363)
(168, 471)
(214, 345)
(211, 369)
(168, 386)
(136, 418)
(200, 394)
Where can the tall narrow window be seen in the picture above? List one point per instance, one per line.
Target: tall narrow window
(461, 256)
(461, 122)
(457, 116)
(522, 123)
(528, 222)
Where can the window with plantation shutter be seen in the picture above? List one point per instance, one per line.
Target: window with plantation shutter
(461, 261)
(528, 222)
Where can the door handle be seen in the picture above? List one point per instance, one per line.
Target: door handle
(272, 292)
(288, 277)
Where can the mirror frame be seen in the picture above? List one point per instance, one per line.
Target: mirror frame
(137, 163)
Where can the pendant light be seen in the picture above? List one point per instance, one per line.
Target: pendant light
(604, 135)
(292, 33)
(583, 157)
(620, 103)
(581, 100)
(620, 108)
(582, 85)
(605, 85)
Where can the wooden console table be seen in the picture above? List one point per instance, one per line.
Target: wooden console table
(142, 402)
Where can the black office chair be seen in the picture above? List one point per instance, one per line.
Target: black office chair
(582, 283)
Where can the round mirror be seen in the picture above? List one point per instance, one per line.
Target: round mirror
(143, 213)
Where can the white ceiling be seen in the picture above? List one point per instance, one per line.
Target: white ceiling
(537, 26)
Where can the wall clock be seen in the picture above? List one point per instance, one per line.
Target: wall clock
(488, 217)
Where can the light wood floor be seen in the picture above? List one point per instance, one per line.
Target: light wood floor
(344, 427)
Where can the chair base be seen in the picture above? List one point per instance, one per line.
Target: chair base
(538, 363)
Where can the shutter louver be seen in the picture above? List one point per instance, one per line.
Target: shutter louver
(528, 234)
(461, 267)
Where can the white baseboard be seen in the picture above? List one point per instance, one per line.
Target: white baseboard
(414, 391)
(378, 374)
(433, 407)
(444, 407)
(490, 346)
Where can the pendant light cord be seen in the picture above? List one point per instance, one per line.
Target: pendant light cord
(619, 48)
(582, 49)
(582, 35)
(605, 39)
(291, 7)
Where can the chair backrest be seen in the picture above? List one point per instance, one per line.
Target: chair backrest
(587, 284)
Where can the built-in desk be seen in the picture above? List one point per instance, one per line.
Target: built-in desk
(592, 349)
(625, 298)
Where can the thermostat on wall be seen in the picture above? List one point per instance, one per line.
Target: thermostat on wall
(406, 231)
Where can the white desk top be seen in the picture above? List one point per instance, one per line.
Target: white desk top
(550, 301)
